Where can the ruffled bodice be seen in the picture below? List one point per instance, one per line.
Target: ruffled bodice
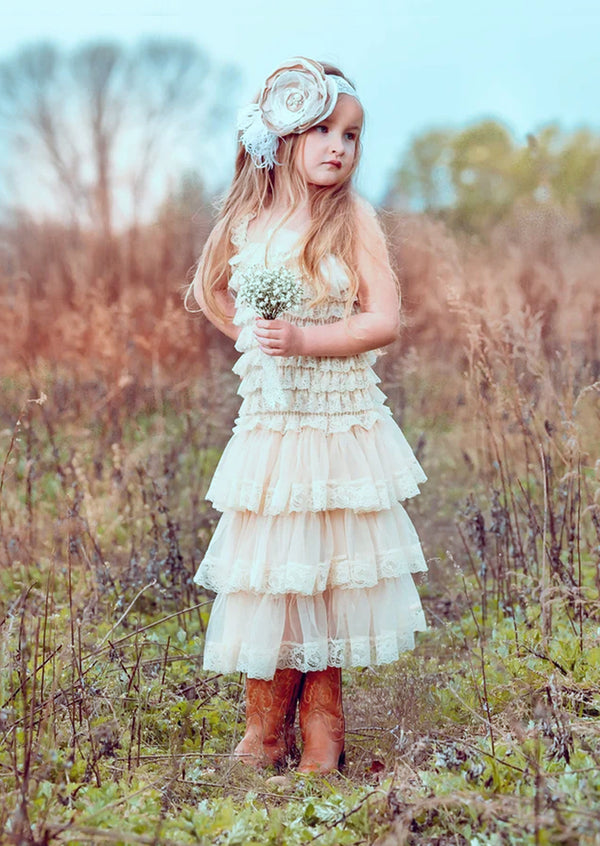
(313, 554)
(327, 393)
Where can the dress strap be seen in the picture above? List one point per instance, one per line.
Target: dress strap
(365, 206)
(239, 233)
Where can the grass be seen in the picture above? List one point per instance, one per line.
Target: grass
(111, 732)
(486, 733)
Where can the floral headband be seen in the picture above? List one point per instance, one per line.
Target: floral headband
(296, 96)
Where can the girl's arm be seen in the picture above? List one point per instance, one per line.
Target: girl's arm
(226, 304)
(376, 325)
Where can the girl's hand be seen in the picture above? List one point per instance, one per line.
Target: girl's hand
(278, 337)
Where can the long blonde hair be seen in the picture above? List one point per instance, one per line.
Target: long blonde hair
(333, 219)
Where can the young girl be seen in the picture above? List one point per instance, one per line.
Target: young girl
(312, 558)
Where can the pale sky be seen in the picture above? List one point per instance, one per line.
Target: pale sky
(416, 63)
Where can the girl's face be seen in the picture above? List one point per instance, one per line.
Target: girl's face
(329, 150)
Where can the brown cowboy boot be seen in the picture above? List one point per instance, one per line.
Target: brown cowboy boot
(289, 725)
(322, 721)
(270, 715)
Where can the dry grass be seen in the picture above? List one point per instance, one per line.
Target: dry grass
(103, 702)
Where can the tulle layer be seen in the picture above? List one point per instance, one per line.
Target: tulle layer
(313, 403)
(282, 421)
(310, 379)
(337, 364)
(274, 472)
(260, 633)
(308, 552)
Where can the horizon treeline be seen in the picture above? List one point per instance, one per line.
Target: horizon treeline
(474, 177)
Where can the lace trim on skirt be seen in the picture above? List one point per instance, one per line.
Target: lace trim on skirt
(260, 633)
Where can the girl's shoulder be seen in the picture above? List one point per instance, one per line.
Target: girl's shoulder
(369, 229)
(364, 209)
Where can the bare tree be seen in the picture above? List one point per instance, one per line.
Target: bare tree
(100, 126)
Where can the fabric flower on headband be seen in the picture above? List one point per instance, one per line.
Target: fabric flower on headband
(294, 97)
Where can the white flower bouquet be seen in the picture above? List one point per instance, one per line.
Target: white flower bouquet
(270, 293)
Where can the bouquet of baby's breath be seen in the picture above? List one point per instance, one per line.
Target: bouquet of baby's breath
(269, 292)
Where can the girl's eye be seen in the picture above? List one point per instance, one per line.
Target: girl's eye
(351, 136)
(321, 128)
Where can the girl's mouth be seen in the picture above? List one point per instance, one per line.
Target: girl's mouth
(336, 163)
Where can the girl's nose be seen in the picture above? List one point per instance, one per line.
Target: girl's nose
(337, 147)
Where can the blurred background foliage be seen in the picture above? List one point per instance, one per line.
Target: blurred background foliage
(108, 149)
(475, 176)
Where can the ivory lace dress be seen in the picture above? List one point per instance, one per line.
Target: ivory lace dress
(312, 557)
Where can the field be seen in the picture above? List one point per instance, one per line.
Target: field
(113, 411)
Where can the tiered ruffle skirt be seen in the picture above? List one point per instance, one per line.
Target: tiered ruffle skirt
(313, 556)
